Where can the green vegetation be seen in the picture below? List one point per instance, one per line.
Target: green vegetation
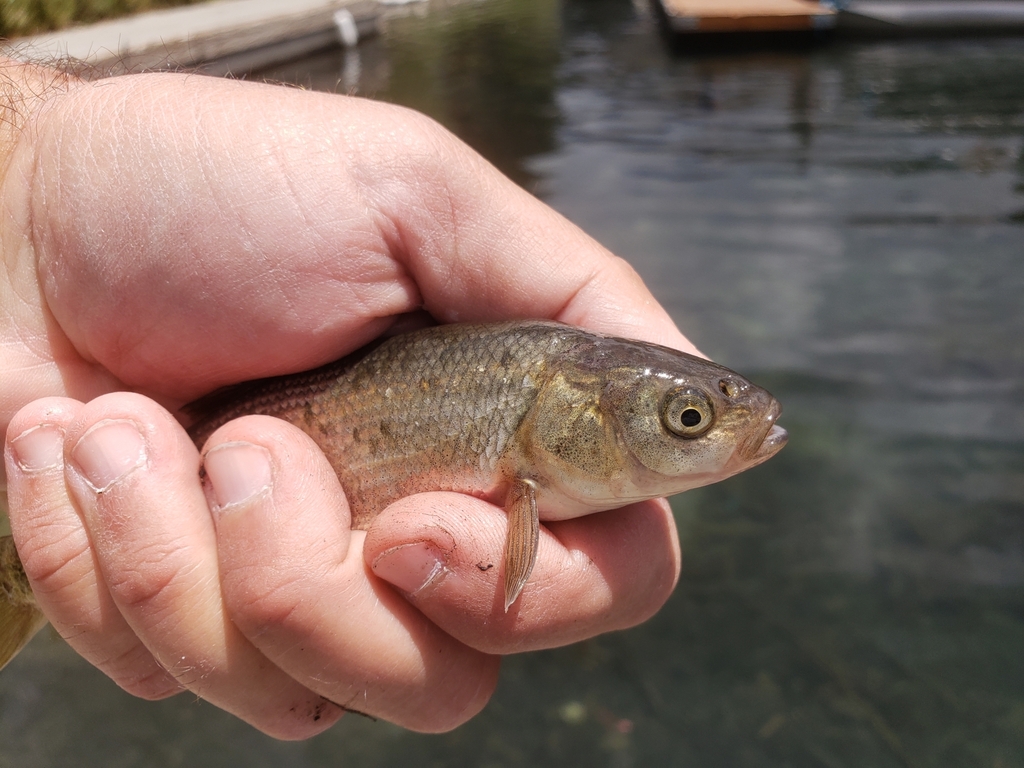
(25, 17)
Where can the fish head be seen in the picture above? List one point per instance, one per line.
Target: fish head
(682, 422)
(621, 421)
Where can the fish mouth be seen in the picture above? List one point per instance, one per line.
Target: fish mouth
(773, 442)
(768, 441)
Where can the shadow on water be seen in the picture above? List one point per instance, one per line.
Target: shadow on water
(843, 225)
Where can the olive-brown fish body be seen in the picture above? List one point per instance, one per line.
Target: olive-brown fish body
(473, 408)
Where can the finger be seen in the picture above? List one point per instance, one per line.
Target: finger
(133, 474)
(594, 574)
(296, 584)
(54, 548)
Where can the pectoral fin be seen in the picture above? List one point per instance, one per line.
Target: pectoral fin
(522, 538)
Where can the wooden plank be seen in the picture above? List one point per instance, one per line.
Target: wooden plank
(747, 15)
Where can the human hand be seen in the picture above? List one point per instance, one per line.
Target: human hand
(165, 235)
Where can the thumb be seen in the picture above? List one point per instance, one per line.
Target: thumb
(606, 571)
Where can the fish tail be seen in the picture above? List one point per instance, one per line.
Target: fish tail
(20, 617)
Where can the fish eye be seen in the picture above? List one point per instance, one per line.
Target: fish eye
(687, 412)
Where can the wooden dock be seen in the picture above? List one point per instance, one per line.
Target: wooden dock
(748, 19)
(715, 17)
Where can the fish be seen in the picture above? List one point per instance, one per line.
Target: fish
(550, 421)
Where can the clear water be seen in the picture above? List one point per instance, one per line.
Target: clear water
(846, 227)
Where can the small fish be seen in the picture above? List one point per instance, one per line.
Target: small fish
(550, 421)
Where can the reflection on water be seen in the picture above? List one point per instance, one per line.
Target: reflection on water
(846, 227)
(488, 71)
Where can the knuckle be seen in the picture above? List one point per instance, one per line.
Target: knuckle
(154, 577)
(152, 684)
(54, 558)
(256, 600)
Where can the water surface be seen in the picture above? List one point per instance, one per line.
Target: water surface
(845, 226)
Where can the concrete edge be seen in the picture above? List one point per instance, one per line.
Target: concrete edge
(203, 36)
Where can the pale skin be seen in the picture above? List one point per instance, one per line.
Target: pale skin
(164, 235)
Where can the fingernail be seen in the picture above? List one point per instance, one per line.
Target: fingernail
(236, 472)
(39, 448)
(108, 452)
(411, 567)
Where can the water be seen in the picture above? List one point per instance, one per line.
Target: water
(845, 226)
